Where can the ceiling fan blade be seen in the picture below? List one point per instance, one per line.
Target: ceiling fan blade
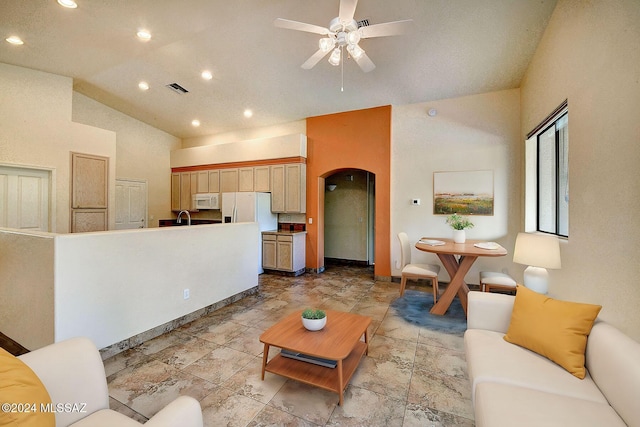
(365, 63)
(347, 10)
(314, 59)
(385, 29)
(300, 26)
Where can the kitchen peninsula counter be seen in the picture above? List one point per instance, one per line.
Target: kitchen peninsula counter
(121, 287)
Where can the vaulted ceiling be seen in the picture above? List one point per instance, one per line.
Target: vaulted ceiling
(452, 48)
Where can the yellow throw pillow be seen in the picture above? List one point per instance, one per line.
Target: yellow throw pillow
(555, 329)
(22, 395)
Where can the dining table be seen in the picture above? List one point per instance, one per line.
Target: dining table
(457, 259)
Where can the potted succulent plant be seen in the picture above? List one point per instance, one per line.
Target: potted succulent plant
(314, 319)
(459, 223)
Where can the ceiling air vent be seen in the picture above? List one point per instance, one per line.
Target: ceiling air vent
(363, 23)
(177, 88)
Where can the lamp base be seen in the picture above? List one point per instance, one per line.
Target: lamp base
(536, 279)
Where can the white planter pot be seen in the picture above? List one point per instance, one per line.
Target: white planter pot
(314, 324)
(459, 236)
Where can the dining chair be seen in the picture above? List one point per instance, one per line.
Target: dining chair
(416, 271)
(493, 280)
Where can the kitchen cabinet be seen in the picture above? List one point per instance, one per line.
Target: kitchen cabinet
(269, 252)
(288, 188)
(284, 251)
(202, 185)
(245, 179)
(183, 186)
(214, 181)
(228, 180)
(261, 178)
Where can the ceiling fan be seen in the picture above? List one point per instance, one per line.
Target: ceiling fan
(344, 32)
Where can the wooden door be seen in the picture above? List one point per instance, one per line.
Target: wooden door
(89, 192)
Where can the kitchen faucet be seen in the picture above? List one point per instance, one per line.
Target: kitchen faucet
(179, 220)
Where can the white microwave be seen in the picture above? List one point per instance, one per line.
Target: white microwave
(206, 201)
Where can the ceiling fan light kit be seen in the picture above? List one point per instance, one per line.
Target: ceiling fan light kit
(344, 31)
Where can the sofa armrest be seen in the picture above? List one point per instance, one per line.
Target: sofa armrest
(73, 373)
(489, 311)
(184, 411)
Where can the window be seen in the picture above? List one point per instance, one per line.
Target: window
(547, 175)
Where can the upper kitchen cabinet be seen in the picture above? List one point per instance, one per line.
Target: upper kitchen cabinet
(289, 188)
(203, 182)
(183, 186)
(245, 179)
(214, 181)
(229, 180)
(262, 178)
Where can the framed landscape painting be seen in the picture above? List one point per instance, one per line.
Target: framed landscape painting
(465, 193)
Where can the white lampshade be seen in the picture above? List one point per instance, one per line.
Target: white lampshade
(538, 250)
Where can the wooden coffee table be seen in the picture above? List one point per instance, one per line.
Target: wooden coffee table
(339, 340)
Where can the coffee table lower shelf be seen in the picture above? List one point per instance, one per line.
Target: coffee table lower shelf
(319, 376)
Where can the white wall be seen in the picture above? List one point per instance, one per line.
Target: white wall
(590, 55)
(26, 287)
(37, 131)
(478, 132)
(282, 129)
(142, 151)
(110, 286)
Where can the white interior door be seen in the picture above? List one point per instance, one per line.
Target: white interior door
(24, 198)
(131, 204)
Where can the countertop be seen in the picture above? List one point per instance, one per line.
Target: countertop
(283, 232)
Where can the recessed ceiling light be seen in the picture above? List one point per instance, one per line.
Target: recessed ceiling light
(144, 35)
(195, 123)
(248, 113)
(143, 86)
(70, 4)
(207, 75)
(14, 40)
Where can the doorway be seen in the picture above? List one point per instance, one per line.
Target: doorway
(349, 217)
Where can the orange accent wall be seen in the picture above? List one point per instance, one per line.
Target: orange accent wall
(356, 139)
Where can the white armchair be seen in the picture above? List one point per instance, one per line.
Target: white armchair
(73, 373)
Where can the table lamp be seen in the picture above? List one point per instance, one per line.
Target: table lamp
(539, 252)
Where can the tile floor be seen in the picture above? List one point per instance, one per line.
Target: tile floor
(411, 377)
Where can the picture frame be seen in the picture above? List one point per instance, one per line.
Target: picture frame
(463, 192)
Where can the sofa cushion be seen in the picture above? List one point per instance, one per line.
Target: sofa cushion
(499, 405)
(22, 390)
(555, 329)
(491, 359)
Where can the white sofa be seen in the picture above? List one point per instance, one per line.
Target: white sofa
(512, 386)
(73, 373)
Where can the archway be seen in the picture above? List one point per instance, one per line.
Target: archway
(349, 217)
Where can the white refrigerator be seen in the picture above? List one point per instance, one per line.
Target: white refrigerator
(250, 207)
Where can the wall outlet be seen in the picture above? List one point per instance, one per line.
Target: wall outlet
(186, 294)
(415, 202)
